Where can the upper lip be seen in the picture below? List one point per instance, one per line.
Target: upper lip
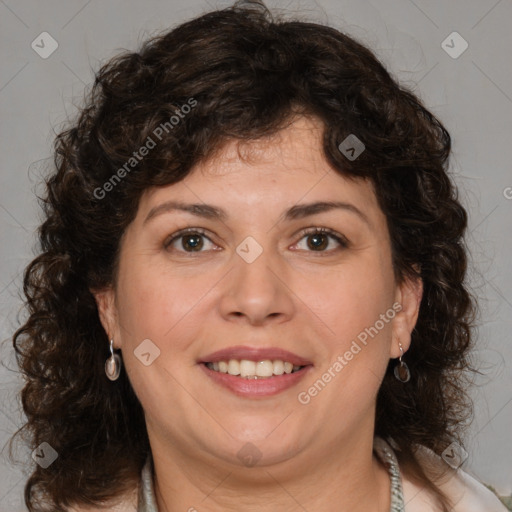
(254, 354)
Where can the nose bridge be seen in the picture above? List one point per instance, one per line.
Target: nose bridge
(256, 289)
(254, 275)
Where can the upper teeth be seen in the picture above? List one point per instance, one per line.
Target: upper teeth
(246, 368)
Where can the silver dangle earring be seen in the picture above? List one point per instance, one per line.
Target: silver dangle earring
(113, 364)
(401, 371)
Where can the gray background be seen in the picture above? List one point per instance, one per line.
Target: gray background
(472, 94)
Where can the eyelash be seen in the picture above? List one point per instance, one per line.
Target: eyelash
(344, 243)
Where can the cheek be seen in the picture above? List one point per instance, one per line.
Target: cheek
(351, 297)
(159, 308)
(152, 300)
(355, 304)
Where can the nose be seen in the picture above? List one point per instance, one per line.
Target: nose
(258, 292)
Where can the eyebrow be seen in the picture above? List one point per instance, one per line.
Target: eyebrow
(298, 211)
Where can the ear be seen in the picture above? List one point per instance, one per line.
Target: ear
(408, 295)
(107, 309)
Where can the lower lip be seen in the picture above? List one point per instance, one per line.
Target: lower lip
(253, 388)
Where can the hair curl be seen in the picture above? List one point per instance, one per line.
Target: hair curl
(249, 73)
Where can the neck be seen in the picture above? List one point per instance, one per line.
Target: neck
(346, 477)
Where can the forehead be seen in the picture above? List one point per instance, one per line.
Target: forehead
(297, 145)
(269, 174)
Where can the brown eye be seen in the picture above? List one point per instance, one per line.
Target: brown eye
(319, 239)
(194, 242)
(189, 241)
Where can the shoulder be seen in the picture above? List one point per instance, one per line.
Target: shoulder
(465, 492)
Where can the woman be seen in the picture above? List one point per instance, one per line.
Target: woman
(251, 288)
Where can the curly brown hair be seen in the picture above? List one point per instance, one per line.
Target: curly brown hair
(243, 72)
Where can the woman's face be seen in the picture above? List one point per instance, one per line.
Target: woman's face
(254, 272)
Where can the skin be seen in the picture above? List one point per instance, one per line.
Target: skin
(313, 303)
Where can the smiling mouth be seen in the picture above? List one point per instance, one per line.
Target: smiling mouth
(252, 370)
